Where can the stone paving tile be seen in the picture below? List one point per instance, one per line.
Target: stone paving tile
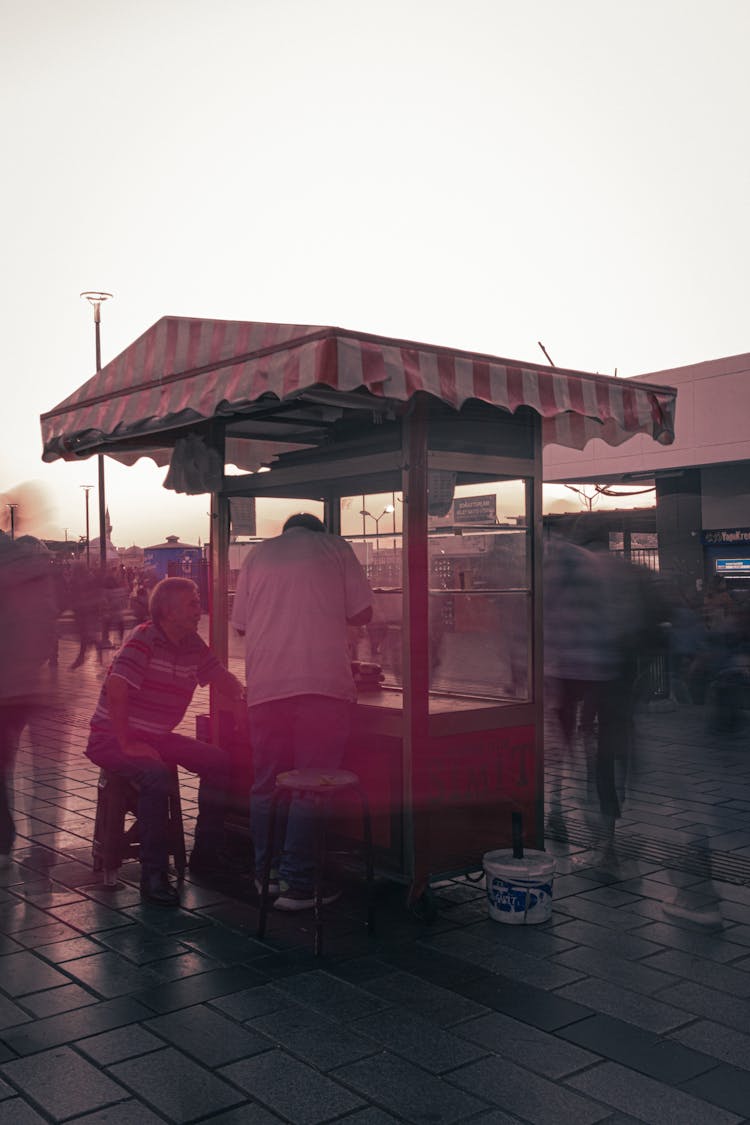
(141, 946)
(587, 911)
(176, 1085)
(177, 922)
(183, 965)
(65, 999)
(39, 1035)
(25, 972)
(534, 1049)
(739, 934)
(39, 936)
(706, 1002)
(250, 1003)
(120, 1044)
(627, 945)
(252, 1113)
(62, 1083)
(441, 1006)
(735, 912)
(724, 1043)
(427, 962)
(717, 946)
(16, 1111)
(319, 1042)
(110, 975)
(224, 946)
(724, 978)
(408, 1091)
(90, 917)
(499, 1117)
(653, 1015)
(17, 916)
(10, 1015)
(371, 1116)
(416, 1039)
(59, 952)
(333, 997)
(645, 1051)
(545, 1010)
(650, 1101)
(292, 1089)
(209, 1036)
(531, 1096)
(124, 1113)
(726, 1086)
(195, 990)
(638, 976)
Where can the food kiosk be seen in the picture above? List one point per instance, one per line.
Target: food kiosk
(428, 460)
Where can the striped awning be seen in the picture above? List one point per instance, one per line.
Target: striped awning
(184, 370)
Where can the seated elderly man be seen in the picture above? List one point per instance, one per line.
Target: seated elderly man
(145, 695)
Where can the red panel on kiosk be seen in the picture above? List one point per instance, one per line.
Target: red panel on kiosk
(465, 788)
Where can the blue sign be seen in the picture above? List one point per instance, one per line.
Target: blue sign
(733, 566)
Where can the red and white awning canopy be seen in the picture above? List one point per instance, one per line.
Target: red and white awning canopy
(183, 370)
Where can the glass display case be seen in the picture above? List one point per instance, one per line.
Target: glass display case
(444, 514)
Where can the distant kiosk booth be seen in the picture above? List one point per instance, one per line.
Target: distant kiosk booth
(428, 461)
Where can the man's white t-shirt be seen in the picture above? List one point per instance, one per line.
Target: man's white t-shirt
(294, 595)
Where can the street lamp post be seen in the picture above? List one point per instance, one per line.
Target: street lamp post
(96, 298)
(12, 508)
(376, 519)
(87, 488)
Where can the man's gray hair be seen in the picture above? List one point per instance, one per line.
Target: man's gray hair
(165, 595)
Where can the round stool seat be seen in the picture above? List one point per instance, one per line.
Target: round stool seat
(317, 780)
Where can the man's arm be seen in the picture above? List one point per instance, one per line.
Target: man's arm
(227, 684)
(118, 700)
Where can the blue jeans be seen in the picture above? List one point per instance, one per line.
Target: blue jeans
(302, 732)
(154, 779)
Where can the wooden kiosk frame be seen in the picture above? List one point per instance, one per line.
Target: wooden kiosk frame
(328, 414)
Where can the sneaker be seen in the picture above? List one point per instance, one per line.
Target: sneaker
(292, 899)
(708, 916)
(275, 885)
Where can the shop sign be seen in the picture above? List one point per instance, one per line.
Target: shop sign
(475, 509)
(726, 535)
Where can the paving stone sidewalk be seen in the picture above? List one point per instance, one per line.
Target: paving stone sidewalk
(612, 1012)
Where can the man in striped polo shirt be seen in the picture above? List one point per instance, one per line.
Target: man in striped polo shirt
(145, 695)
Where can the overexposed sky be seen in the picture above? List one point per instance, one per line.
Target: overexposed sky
(482, 174)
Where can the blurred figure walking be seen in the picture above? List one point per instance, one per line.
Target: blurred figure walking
(28, 612)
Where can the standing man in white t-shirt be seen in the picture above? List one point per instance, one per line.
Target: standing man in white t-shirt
(296, 595)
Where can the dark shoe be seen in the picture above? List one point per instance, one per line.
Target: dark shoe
(291, 899)
(157, 889)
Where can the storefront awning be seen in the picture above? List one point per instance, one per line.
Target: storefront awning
(185, 371)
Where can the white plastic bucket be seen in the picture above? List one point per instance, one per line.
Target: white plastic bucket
(519, 890)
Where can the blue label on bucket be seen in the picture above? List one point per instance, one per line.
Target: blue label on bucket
(515, 899)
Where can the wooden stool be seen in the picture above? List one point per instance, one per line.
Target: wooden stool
(112, 842)
(321, 785)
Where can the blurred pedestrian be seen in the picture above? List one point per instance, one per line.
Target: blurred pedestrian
(28, 613)
(86, 602)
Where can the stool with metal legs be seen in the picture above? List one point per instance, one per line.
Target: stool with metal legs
(321, 785)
